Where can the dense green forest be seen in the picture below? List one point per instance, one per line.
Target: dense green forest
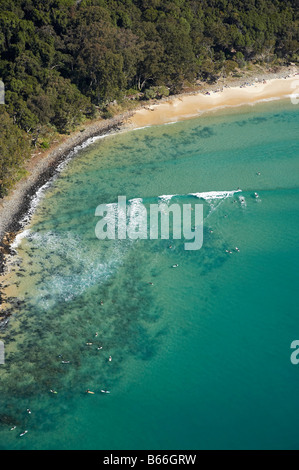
(63, 61)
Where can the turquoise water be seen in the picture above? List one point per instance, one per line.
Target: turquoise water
(201, 353)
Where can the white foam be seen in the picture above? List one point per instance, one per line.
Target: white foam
(19, 237)
(209, 195)
(139, 128)
(63, 285)
(212, 195)
(34, 202)
(265, 100)
(136, 200)
(166, 197)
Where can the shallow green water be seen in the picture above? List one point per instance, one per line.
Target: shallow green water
(201, 358)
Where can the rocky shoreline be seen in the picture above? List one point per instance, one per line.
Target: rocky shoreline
(41, 169)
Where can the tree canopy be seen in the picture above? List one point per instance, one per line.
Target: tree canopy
(60, 59)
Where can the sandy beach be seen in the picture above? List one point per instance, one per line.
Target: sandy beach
(192, 105)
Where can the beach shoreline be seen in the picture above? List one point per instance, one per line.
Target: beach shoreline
(191, 105)
(41, 168)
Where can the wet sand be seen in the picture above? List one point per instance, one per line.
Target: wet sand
(192, 105)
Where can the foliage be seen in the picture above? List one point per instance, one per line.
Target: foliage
(60, 60)
(156, 92)
(14, 149)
